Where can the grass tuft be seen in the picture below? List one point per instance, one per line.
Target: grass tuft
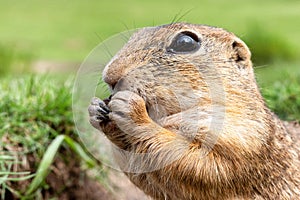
(48, 158)
(36, 119)
(283, 97)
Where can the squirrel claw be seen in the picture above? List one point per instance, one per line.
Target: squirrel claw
(98, 112)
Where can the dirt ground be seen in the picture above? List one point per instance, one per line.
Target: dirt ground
(77, 185)
(67, 180)
(123, 189)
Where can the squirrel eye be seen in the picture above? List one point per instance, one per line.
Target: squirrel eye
(184, 42)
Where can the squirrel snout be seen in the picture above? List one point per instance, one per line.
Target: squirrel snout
(111, 82)
(114, 76)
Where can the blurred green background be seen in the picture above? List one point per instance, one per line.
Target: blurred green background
(66, 31)
(55, 37)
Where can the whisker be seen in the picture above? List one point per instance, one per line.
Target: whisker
(178, 17)
(105, 46)
(134, 25)
(125, 25)
(175, 18)
(128, 32)
(125, 37)
(261, 66)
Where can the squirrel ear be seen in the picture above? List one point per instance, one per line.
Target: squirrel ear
(241, 53)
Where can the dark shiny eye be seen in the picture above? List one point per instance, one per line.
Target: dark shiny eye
(184, 42)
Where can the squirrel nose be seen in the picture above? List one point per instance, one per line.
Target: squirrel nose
(111, 82)
(112, 75)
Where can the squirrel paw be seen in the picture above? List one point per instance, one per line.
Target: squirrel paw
(128, 109)
(98, 112)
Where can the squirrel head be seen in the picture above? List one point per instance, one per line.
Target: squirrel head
(181, 65)
(178, 42)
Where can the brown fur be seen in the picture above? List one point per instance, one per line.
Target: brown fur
(243, 153)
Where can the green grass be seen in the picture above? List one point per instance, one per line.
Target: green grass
(48, 157)
(280, 85)
(283, 97)
(62, 30)
(36, 121)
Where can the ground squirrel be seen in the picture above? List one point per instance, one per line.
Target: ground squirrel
(186, 103)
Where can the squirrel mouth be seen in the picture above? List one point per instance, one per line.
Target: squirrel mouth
(107, 100)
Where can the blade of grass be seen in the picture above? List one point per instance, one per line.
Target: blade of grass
(22, 178)
(48, 158)
(79, 150)
(14, 173)
(43, 168)
(6, 157)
